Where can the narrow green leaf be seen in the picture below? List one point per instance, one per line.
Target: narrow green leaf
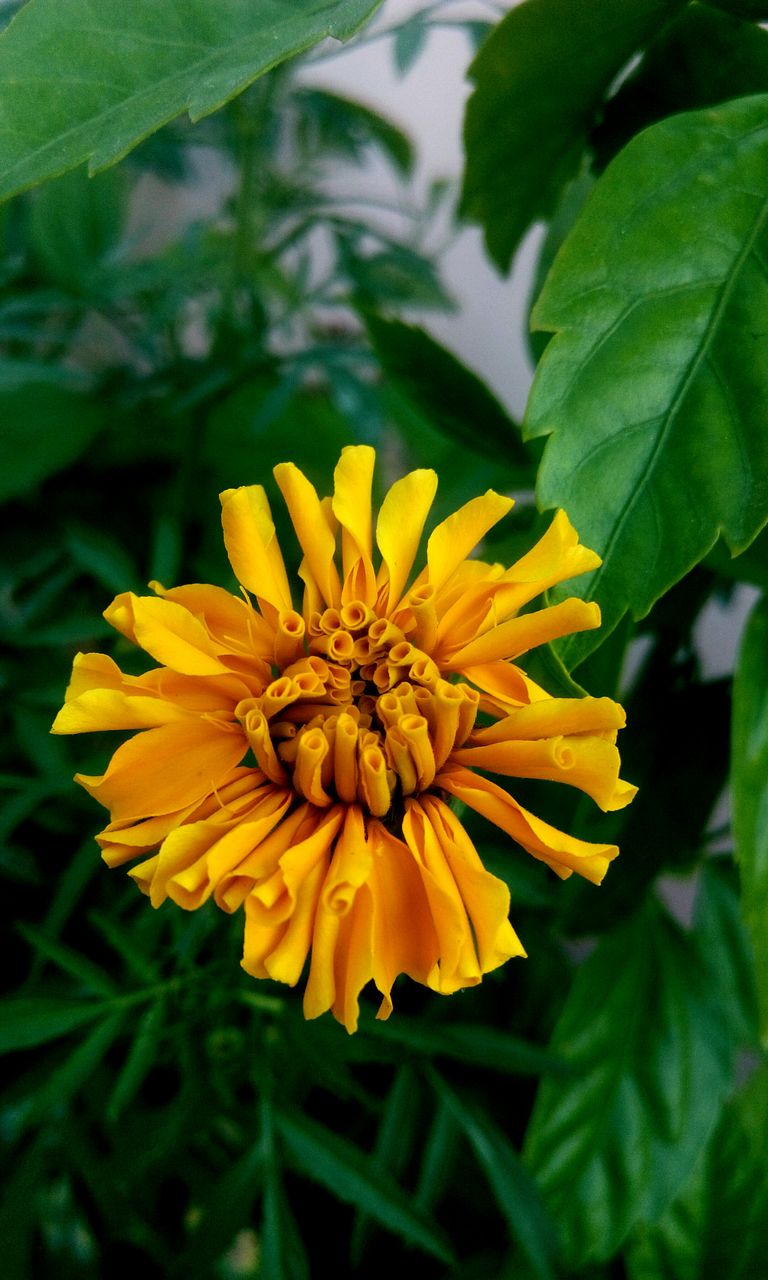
(452, 399)
(610, 1145)
(392, 1147)
(651, 389)
(115, 73)
(227, 1209)
(139, 1061)
(45, 428)
(120, 939)
(282, 1253)
(438, 1158)
(477, 1045)
(515, 1192)
(409, 41)
(351, 1176)
(75, 224)
(75, 1072)
(541, 76)
(27, 1021)
(339, 124)
(103, 558)
(757, 10)
(79, 966)
(749, 783)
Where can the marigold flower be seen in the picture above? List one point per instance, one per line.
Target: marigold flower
(301, 765)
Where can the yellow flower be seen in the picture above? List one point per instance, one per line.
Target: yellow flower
(301, 764)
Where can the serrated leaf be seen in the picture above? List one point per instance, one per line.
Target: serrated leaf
(749, 783)
(700, 58)
(718, 1225)
(451, 398)
(45, 428)
(514, 1190)
(26, 1021)
(652, 388)
(541, 76)
(353, 1177)
(610, 1146)
(104, 75)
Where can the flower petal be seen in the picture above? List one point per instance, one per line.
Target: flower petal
(453, 540)
(353, 479)
(312, 529)
(166, 769)
(252, 546)
(518, 635)
(166, 631)
(563, 853)
(399, 528)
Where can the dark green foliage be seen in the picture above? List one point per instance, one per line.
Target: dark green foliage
(596, 1111)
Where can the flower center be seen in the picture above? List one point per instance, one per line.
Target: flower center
(359, 714)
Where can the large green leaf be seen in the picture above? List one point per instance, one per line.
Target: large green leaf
(749, 782)
(103, 74)
(611, 1145)
(539, 81)
(653, 387)
(718, 1225)
(700, 58)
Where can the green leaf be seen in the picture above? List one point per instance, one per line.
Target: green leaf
(539, 81)
(282, 1254)
(514, 1190)
(718, 1225)
(725, 949)
(115, 73)
(394, 1140)
(139, 1061)
(92, 977)
(610, 1145)
(227, 1209)
(27, 1021)
(438, 1158)
(351, 1176)
(700, 58)
(409, 42)
(75, 1072)
(350, 128)
(452, 399)
(103, 559)
(476, 1045)
(652, 388)
(74, 226)
(45, 428)
(757, 10)
(749, 783)
(750, 566)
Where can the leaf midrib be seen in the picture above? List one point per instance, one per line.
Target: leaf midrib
(702, 352)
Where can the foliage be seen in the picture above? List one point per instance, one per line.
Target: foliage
(599, 1109)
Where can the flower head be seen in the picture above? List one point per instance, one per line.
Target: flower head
(300, 763)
